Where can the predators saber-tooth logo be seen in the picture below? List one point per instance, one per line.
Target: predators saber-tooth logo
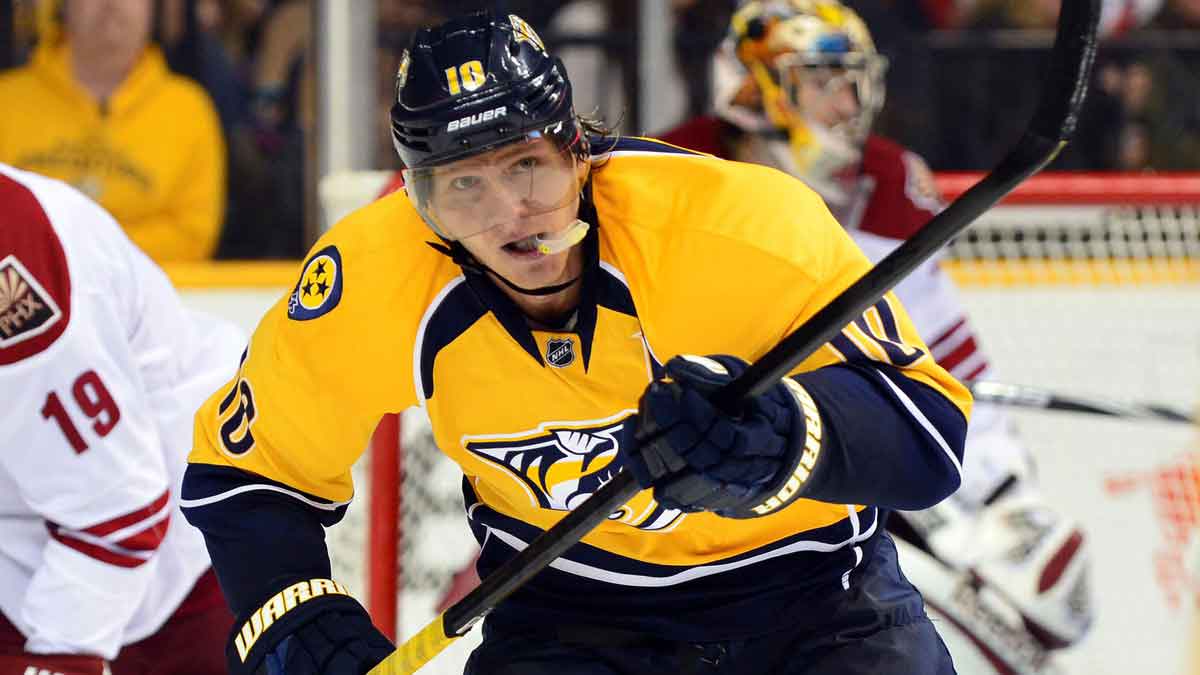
(560, 464)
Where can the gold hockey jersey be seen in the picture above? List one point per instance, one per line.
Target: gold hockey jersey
(688, 254)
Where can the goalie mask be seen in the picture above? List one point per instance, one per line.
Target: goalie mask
(484, 123)
(812, 62)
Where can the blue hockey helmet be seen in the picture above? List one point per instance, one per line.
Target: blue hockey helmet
(473, 84)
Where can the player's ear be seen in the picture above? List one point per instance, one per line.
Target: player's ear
(582, 168)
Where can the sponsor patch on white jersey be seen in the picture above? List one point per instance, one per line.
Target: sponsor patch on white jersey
(26, 309)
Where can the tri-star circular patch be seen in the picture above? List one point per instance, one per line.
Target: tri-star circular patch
(320, 287)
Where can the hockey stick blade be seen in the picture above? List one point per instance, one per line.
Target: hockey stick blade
(1032, 397)
(1052, 125)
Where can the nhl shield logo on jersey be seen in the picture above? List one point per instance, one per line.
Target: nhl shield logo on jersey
(320, 287)
(26, 309)
(561, 464)
(560, 352)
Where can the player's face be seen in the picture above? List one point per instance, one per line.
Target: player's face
(826, 96)
(511, 252)
(497, 203)
(498, 190)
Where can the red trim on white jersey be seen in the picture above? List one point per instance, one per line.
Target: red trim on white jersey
(35, 283)
(975, 373)
(957, 351)
(128, 540)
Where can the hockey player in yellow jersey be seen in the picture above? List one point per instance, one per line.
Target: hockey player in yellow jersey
(560, 301)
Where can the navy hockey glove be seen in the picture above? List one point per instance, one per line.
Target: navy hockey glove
(698, 458)
(309, 628)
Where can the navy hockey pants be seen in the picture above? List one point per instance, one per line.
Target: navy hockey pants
(876, 631)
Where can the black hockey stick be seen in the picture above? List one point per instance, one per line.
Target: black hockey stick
(1021, 396)
(1053, 123)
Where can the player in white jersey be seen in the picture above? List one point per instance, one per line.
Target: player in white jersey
(797, 86)
(102, 368)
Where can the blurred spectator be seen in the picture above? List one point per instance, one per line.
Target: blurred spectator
(280, 80)
(235, 23)
(268, 149)
(907, 116)
(190, 36)
(538, 13)
(24, 30)
(700, 25)
(1179, 15)
(1158, 92)
(201, 39)
(937, 14)
(398, 20)
(1116, 17)
(1014, 14)
(97, 107)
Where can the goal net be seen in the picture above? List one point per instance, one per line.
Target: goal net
(1080, 284)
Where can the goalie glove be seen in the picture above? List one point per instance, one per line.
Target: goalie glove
(309, 628)
(698, 458)
(1022, 549)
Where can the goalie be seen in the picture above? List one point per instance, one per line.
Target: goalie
(797, 86)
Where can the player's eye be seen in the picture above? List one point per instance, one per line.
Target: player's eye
(525, 164)
(463, 183)
(821, 77)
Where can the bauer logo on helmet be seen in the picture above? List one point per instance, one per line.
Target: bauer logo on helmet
(471, 120)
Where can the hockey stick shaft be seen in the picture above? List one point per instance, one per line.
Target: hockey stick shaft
(1021, 396)
(1052, 124)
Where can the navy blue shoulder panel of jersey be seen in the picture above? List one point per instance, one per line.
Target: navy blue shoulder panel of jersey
(888, 441)
(612, 293)
(605, 144)
(261, 534)
(457, 311)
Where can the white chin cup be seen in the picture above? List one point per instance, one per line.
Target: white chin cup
(574, 234)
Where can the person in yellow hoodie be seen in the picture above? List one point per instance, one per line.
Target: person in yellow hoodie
(97, 107)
